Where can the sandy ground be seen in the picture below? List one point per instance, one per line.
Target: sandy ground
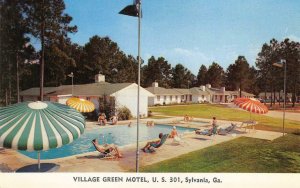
(11, 160)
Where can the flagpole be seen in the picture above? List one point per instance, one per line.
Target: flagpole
(139, 83)
(135, 11)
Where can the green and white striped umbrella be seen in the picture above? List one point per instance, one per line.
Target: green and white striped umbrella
(36, 126)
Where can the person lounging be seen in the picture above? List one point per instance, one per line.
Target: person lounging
(153, 143)
(204, 132)
(107, 148)
(210, 131)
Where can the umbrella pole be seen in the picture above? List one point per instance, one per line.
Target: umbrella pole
(39, 161)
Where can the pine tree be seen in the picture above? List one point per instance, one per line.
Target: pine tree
(201, 77)
(158, 70)
(238, 75)
(13, 38)
(182, 77)
(47, 22)
(215, 75)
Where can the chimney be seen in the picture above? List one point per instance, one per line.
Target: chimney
(208, 85)
(99, 78)
(223, 89)
(202, 88)
(155, 84)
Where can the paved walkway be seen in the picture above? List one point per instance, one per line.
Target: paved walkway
(11, 160)
(288, 115)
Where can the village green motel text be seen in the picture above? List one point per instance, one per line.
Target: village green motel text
(143, 179)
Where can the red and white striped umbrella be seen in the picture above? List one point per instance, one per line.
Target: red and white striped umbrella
(251, 105)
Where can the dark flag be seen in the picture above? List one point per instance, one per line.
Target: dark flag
(132, 10)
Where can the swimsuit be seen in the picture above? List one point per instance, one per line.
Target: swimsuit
(154, 144)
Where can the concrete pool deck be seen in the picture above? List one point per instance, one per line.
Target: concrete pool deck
(11, 160)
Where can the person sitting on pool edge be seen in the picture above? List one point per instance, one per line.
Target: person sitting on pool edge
(173, 133)
(114, 120)
(150, 123)
(187, 118)
(153, 143)
(107, 148)
(102, 119)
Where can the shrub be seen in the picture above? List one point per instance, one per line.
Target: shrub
(150, 113)
(124, 113)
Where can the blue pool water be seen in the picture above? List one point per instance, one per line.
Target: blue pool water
(119, 135)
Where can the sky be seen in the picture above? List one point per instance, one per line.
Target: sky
(190, 32)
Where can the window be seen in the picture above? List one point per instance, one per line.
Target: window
(165, 98)
(158, 98)
(171, 97)
(176, 97)
(190, 97)
(202, 96)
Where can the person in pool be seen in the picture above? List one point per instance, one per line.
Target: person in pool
(153, 143)
(107, 148)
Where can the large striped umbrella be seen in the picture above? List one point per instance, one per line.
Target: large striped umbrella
(251, 105)
(36, 126)
(81, 105)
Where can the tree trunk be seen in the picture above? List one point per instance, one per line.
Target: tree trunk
(42, 56)
(9, 81)
(17, 74)
(294, 95)
(271, 92)
(265, 95)
(6, 97)
(274, 96)
(279, 98)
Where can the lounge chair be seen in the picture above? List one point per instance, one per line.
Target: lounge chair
(178, 140)
(246, 124)
(162, 141)
(105, 155)
(208, 132)
(227, 130)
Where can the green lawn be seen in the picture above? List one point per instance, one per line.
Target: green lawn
(238, 155)
(225, 113)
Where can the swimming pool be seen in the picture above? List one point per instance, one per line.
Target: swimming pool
(119, 135)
